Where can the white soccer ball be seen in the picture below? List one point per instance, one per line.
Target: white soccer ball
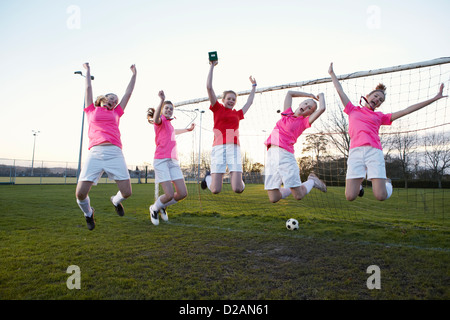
(292, 224)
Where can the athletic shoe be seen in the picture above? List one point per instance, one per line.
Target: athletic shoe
(154, 216)
(319, 184)
(119, 208)
(90, 220)
(361, 192)
(163, 214)
(203, 184)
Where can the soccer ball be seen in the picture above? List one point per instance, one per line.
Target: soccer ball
(292, 224)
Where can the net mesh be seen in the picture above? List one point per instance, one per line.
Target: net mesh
(416, 149)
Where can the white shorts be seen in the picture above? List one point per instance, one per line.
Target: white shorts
(281, 168)
(104, 158)
(226, 155)
(366, 160)
(167, 170)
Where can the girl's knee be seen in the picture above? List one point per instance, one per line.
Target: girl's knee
(298, 196)
(126, 194)
(380, 196)
(80, 195)
(299, 192)
(238, 190)
(181, 195)
(274, 196)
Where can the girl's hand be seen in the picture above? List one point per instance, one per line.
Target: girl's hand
(191, 127)
(316, 97)
(86, 65)
(440, 93)
(133, 69)
(161, 95)
(214, 63)
(252, 80)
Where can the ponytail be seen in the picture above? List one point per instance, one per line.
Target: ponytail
(380, 87)
(150, 113)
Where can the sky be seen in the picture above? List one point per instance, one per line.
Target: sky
(277, 42)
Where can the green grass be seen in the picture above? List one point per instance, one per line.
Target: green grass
(225, 247)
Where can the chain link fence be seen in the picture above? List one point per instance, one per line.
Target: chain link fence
(14, 171)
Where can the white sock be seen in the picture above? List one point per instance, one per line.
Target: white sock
(243, 185)
(208, 180)
(85, 206)
(360, 187)
(118, 198)
(171, 202)
(309, 184)
(285, 192)
(389, 190)
(158, 204)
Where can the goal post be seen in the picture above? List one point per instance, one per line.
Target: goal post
(353, 75)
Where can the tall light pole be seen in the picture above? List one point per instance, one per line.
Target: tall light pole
(82, 128)
(35, 133)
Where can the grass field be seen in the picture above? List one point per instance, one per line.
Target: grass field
(224, 247)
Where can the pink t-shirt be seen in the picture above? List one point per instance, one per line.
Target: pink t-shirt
(364, 125)
(287, 130)
(226, 124)
(166, 145)
(103, 125)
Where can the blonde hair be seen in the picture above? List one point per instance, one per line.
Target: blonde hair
(112, 94)
(315, 104)
(104, 99)
(99, 100)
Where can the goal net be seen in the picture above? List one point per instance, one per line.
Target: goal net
(416, 149)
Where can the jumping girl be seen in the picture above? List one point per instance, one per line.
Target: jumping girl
(167, 167)
(226, 147)
(366, 153)
(105, 148)
(281, 165)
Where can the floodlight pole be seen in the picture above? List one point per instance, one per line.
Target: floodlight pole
(82, 128)
(35, 133)
(81, 142)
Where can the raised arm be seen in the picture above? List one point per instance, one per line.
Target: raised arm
(130, 88)
(319, 111)
(419, 105)
(212, 96)
(296, 94)
(338, 86)
(88, 99)
(157, 114)
(251, 96)
(180, 131)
